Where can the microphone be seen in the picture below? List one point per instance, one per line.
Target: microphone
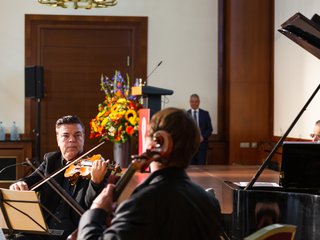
(25, 164)
(153, 70)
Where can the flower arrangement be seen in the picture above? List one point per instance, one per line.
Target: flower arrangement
(118, 116)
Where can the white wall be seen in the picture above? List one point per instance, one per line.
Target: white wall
(182, 33)
(297, 74)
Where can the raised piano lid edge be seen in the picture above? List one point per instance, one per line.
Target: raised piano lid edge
(303, 43)
(300, 17)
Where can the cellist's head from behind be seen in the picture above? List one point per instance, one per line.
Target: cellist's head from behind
(184, 133)
(70, 136)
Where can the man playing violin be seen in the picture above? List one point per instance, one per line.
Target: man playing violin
(167, 205)
(70, 138)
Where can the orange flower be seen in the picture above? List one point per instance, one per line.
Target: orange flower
(130, 130)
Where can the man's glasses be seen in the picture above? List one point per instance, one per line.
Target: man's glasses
(314, 135)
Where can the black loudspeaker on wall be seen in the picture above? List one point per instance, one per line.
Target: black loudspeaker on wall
(34, 82)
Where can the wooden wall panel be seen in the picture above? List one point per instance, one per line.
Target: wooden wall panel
(249, 77)
(75, 51)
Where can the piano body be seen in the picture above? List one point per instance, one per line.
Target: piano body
(262, 206)
(253, 207)
(246, 211)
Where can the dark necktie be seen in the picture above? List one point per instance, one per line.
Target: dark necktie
(195, 117)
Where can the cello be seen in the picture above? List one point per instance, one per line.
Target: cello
(161, 148)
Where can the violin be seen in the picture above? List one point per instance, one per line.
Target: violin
(65, 167)
(82, 168)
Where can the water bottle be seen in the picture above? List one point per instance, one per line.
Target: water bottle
(2, 132)
(14, 135)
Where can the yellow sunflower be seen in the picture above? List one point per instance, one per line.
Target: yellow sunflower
(122, 101)
(115, 107)
(113, 116)
(131, 116)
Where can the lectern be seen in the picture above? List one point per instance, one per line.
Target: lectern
(151, 96)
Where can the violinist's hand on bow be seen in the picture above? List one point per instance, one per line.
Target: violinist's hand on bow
(98, 171)
(19, 186)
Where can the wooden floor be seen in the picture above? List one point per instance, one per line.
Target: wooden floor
(214, 176)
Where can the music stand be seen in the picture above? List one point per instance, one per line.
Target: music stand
(21, 212)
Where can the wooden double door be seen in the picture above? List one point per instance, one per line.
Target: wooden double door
(74, 51)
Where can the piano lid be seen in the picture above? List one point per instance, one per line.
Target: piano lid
(304, 32)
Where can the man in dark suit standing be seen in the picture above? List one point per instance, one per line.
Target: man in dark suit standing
(203, 121)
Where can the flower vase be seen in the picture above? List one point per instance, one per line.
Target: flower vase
(121, 154)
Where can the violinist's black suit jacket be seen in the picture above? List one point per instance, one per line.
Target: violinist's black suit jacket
(205, 130)
(84, 192)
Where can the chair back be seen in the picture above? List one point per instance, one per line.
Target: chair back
(274, 232)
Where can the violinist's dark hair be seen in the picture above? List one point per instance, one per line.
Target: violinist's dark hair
(184, 132)
(69, 119)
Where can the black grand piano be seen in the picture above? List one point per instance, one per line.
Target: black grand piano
(297, 198)
(295, 201)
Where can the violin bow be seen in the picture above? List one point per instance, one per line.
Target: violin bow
(65, 196)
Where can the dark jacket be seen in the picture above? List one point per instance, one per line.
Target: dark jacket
(84, 191)
(206, 131)
(165, 206)
(204, 124)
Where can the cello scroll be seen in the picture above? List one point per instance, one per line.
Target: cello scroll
(161, 148)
